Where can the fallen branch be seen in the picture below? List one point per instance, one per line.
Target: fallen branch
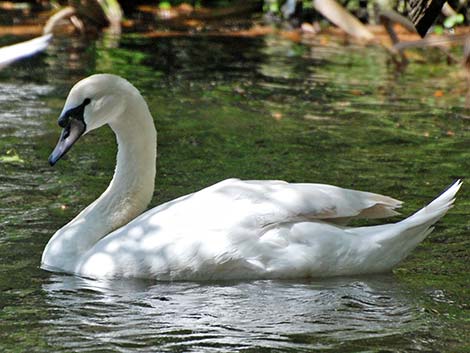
(394, 17)
(338, 15)
(85, 13)
(432, 42)
(447, 10)
(63, 14)
(388, 18)
(113, 13)
(186, 11)
(438, 42)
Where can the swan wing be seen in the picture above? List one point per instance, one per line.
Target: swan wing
(262, 203)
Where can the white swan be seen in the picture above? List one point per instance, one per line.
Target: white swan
(232, 230)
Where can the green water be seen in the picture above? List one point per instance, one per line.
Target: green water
(251, 108)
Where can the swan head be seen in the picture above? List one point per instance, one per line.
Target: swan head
(91, 103)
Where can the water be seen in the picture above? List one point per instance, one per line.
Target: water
(252, 108)
(235, 316)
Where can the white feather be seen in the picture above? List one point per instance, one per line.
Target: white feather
(14, 52)
(231, 230)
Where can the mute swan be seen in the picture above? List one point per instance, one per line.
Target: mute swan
(231, 230)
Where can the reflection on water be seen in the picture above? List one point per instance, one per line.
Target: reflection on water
(330, 314)
(248, 107)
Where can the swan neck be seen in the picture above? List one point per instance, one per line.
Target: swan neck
(127, 195)
(132, 186)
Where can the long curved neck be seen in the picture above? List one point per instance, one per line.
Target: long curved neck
(126, 197)
(133, 182)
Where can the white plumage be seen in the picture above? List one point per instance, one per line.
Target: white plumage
(24, 49)
(231, 230)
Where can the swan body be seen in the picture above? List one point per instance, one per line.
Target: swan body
(231, 230)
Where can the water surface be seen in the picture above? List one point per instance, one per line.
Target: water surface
(251, 108)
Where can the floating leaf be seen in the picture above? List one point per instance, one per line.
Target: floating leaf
(11, 157)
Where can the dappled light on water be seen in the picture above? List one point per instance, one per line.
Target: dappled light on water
(285, 315)
(253, 108)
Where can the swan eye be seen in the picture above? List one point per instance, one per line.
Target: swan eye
(75, 113)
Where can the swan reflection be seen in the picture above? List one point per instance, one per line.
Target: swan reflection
(333, 313)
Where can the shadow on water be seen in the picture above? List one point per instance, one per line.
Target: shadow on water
(254, 108)
(340, 313)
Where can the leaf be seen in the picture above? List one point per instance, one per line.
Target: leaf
(11, 157)
(164, 5)
(438, 30)
(453, 20)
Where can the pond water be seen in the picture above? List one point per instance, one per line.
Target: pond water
(251, 108)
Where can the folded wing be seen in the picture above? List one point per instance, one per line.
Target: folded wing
(272, 202)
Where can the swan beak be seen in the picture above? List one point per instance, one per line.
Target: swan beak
(70, 134)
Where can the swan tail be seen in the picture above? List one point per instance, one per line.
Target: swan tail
(436, 209)
(395, 241)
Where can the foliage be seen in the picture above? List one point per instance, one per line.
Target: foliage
(453, 20)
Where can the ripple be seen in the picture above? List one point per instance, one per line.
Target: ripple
(23, 118)
(263, 314)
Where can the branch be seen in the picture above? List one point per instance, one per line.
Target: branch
(62, 14)
(342, 18)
